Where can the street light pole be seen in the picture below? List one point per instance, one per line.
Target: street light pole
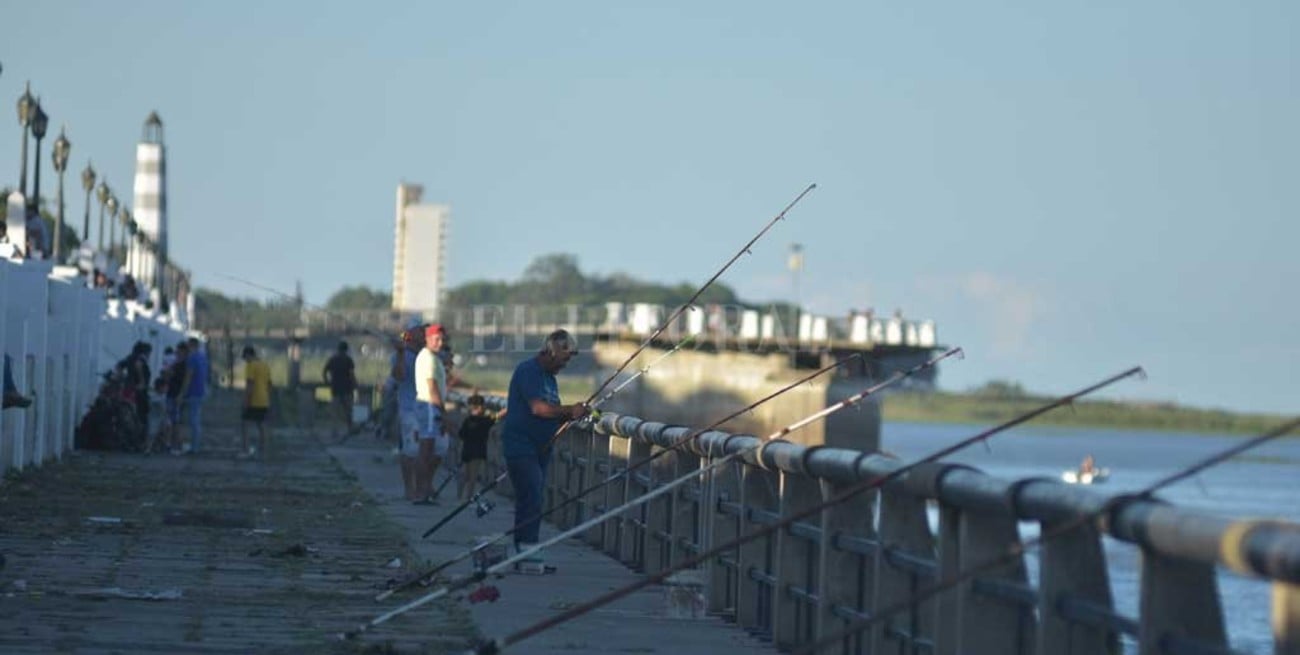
(25, 105)
(112, 225)
(102, 194)
(87, 183)
(39, 122)
(62, 148)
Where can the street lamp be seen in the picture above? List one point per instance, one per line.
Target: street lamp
(87, 183)
(112, 223)
(102, 194)
(26, 103)
(39, 122)
(62, 148)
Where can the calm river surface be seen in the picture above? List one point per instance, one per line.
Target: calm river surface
(1260, 484)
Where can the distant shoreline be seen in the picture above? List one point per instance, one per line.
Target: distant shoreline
(946, 407)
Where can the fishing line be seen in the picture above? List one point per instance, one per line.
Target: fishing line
(651, 495)
(1018, 550)
(644, 344)
(494, 646)
(622, 473)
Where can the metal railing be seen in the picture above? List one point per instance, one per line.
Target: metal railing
(879, 548)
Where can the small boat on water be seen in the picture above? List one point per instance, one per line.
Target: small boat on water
(1095, 476)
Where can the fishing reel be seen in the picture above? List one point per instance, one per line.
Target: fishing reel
(482, 507)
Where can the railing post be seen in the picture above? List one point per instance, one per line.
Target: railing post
(720, 527)
(598, 464)
(841, 570)
(631, 548)
(904, 530)
(984, 624)
(1286, 619)
(797, 564)
(685, 520)
(1073, 566)
(620, 450)
(658, 513)
(1180, 599)
(759, 493)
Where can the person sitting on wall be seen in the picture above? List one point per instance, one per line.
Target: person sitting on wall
(12, 397)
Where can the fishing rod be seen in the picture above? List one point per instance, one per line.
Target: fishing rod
(478, 500)
(1018, 550)
(478, 576)
(622, 473)
(639, 349)
(320, 308)
(497, 645)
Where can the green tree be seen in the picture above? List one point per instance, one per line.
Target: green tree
(359, 297)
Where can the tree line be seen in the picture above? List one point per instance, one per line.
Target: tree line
(553, 279)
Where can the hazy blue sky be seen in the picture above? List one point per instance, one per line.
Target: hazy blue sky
(1067, 188)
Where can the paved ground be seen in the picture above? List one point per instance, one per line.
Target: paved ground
(209, 554)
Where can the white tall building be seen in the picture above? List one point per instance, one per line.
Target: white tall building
(419, 252)
(150, 205)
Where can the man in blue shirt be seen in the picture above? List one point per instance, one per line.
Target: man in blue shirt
(533, 415)
(195, 388)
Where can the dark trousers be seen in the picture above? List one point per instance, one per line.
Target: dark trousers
(10, 387)
(528, 477)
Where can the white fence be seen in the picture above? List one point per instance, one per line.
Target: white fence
(61, 337)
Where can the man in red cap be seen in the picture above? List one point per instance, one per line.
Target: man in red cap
(430, 392)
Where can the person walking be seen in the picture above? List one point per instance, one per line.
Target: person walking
(533, 414)
(257, 401)
(341, 375)
(173, 393)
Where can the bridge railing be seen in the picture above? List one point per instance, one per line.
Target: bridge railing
(60, 336)
(880, 548)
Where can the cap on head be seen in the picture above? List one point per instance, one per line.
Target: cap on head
(436, 328)
(560, 341)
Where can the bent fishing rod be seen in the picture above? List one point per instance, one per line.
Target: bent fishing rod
(620, 474)
(497, 645)
(480, 575)
(1018, 550)
(745, 249)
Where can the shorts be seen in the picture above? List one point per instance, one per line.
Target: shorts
(409, 427)
(430, 419)
(255, 414)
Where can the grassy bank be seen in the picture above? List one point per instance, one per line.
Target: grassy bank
(942, 407)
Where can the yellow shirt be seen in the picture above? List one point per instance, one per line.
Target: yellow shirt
(258, 376)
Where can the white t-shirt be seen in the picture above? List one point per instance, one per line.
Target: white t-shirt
(428, 366)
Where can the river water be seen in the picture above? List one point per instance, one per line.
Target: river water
(1258, 484)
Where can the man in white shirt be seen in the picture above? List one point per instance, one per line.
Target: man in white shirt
(430, 392)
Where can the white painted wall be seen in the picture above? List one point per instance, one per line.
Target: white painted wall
(61, 337)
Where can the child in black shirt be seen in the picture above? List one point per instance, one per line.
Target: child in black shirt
(473, 447)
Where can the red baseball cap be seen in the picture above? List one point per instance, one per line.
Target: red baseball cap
(436, 328)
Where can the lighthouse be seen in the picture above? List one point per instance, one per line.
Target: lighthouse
(151, 210)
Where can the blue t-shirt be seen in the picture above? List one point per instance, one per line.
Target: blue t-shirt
(406, 386)
(197, 363)
(524, 434)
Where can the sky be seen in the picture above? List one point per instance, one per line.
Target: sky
(1066, 188)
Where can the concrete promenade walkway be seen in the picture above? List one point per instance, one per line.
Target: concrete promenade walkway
(635, 624)
(118, 553)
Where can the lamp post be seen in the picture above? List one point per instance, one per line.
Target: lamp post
(102, 194)
(26, 103)
(128, 242)
(112, 223)
(39, 123)
(62, 148)
(87, 183)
